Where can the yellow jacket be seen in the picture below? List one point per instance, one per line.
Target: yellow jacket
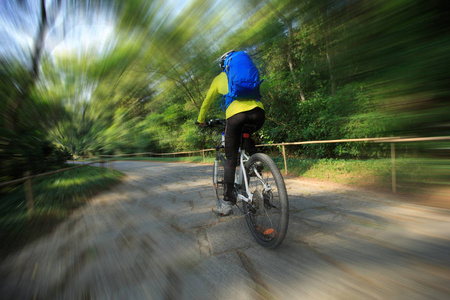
(220, 86)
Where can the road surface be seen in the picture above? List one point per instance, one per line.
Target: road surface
(155, 236)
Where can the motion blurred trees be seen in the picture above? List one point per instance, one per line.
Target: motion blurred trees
(24, 143)
(332, 69)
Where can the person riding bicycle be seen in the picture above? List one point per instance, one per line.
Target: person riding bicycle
(239, 113)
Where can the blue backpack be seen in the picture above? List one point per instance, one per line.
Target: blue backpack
(243, 78)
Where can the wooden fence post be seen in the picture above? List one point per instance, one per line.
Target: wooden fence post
(285, 162)
(29, 194)
(203, 154)
(394, 175)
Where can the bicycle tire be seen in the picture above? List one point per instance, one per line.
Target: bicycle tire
(267, 215)
(218, 176)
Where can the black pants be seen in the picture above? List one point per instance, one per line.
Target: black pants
(233, 134)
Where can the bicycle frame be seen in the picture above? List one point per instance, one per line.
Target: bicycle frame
(266, 209)
(242, 176)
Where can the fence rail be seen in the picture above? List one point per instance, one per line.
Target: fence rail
(392, 140)
(374, 140)
(29, 177)
(28, 186)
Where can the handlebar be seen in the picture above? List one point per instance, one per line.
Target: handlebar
(216, 123)
(220, 123)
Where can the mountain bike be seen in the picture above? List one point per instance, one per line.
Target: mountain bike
(260, 191)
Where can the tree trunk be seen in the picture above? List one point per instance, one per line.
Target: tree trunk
(12, 115)
(330, 62)
(288, 24)
(297, 83)
(39, 45)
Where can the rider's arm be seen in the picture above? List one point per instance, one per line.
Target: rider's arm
(210, 96)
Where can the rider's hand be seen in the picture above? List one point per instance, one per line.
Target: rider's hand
(200, 124)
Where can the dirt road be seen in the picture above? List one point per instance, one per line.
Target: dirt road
(155, 236)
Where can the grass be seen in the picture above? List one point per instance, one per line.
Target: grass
(55, 197)
(412, 174)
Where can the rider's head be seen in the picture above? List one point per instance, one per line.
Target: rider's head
(223, 57)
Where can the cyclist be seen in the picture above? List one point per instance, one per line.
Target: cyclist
(239, 113)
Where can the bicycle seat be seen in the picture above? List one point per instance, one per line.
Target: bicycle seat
(248, 128)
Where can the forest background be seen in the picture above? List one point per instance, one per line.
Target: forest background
(110, 77)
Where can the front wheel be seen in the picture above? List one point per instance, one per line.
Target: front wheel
(267, 215)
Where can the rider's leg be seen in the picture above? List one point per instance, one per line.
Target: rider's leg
(232, 141)
(233, 132)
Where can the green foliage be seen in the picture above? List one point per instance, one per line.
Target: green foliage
(332, 70)
(352, 113)
(21, 152)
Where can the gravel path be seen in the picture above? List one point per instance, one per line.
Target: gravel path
(155, 236)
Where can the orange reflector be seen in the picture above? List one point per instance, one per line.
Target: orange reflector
(246, 135)
(268, 231)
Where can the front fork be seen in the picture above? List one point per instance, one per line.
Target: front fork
(216, 164)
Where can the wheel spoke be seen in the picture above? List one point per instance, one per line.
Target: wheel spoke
(267, 214)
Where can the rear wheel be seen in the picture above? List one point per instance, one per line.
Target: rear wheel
(267, 215)
(218, 175)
